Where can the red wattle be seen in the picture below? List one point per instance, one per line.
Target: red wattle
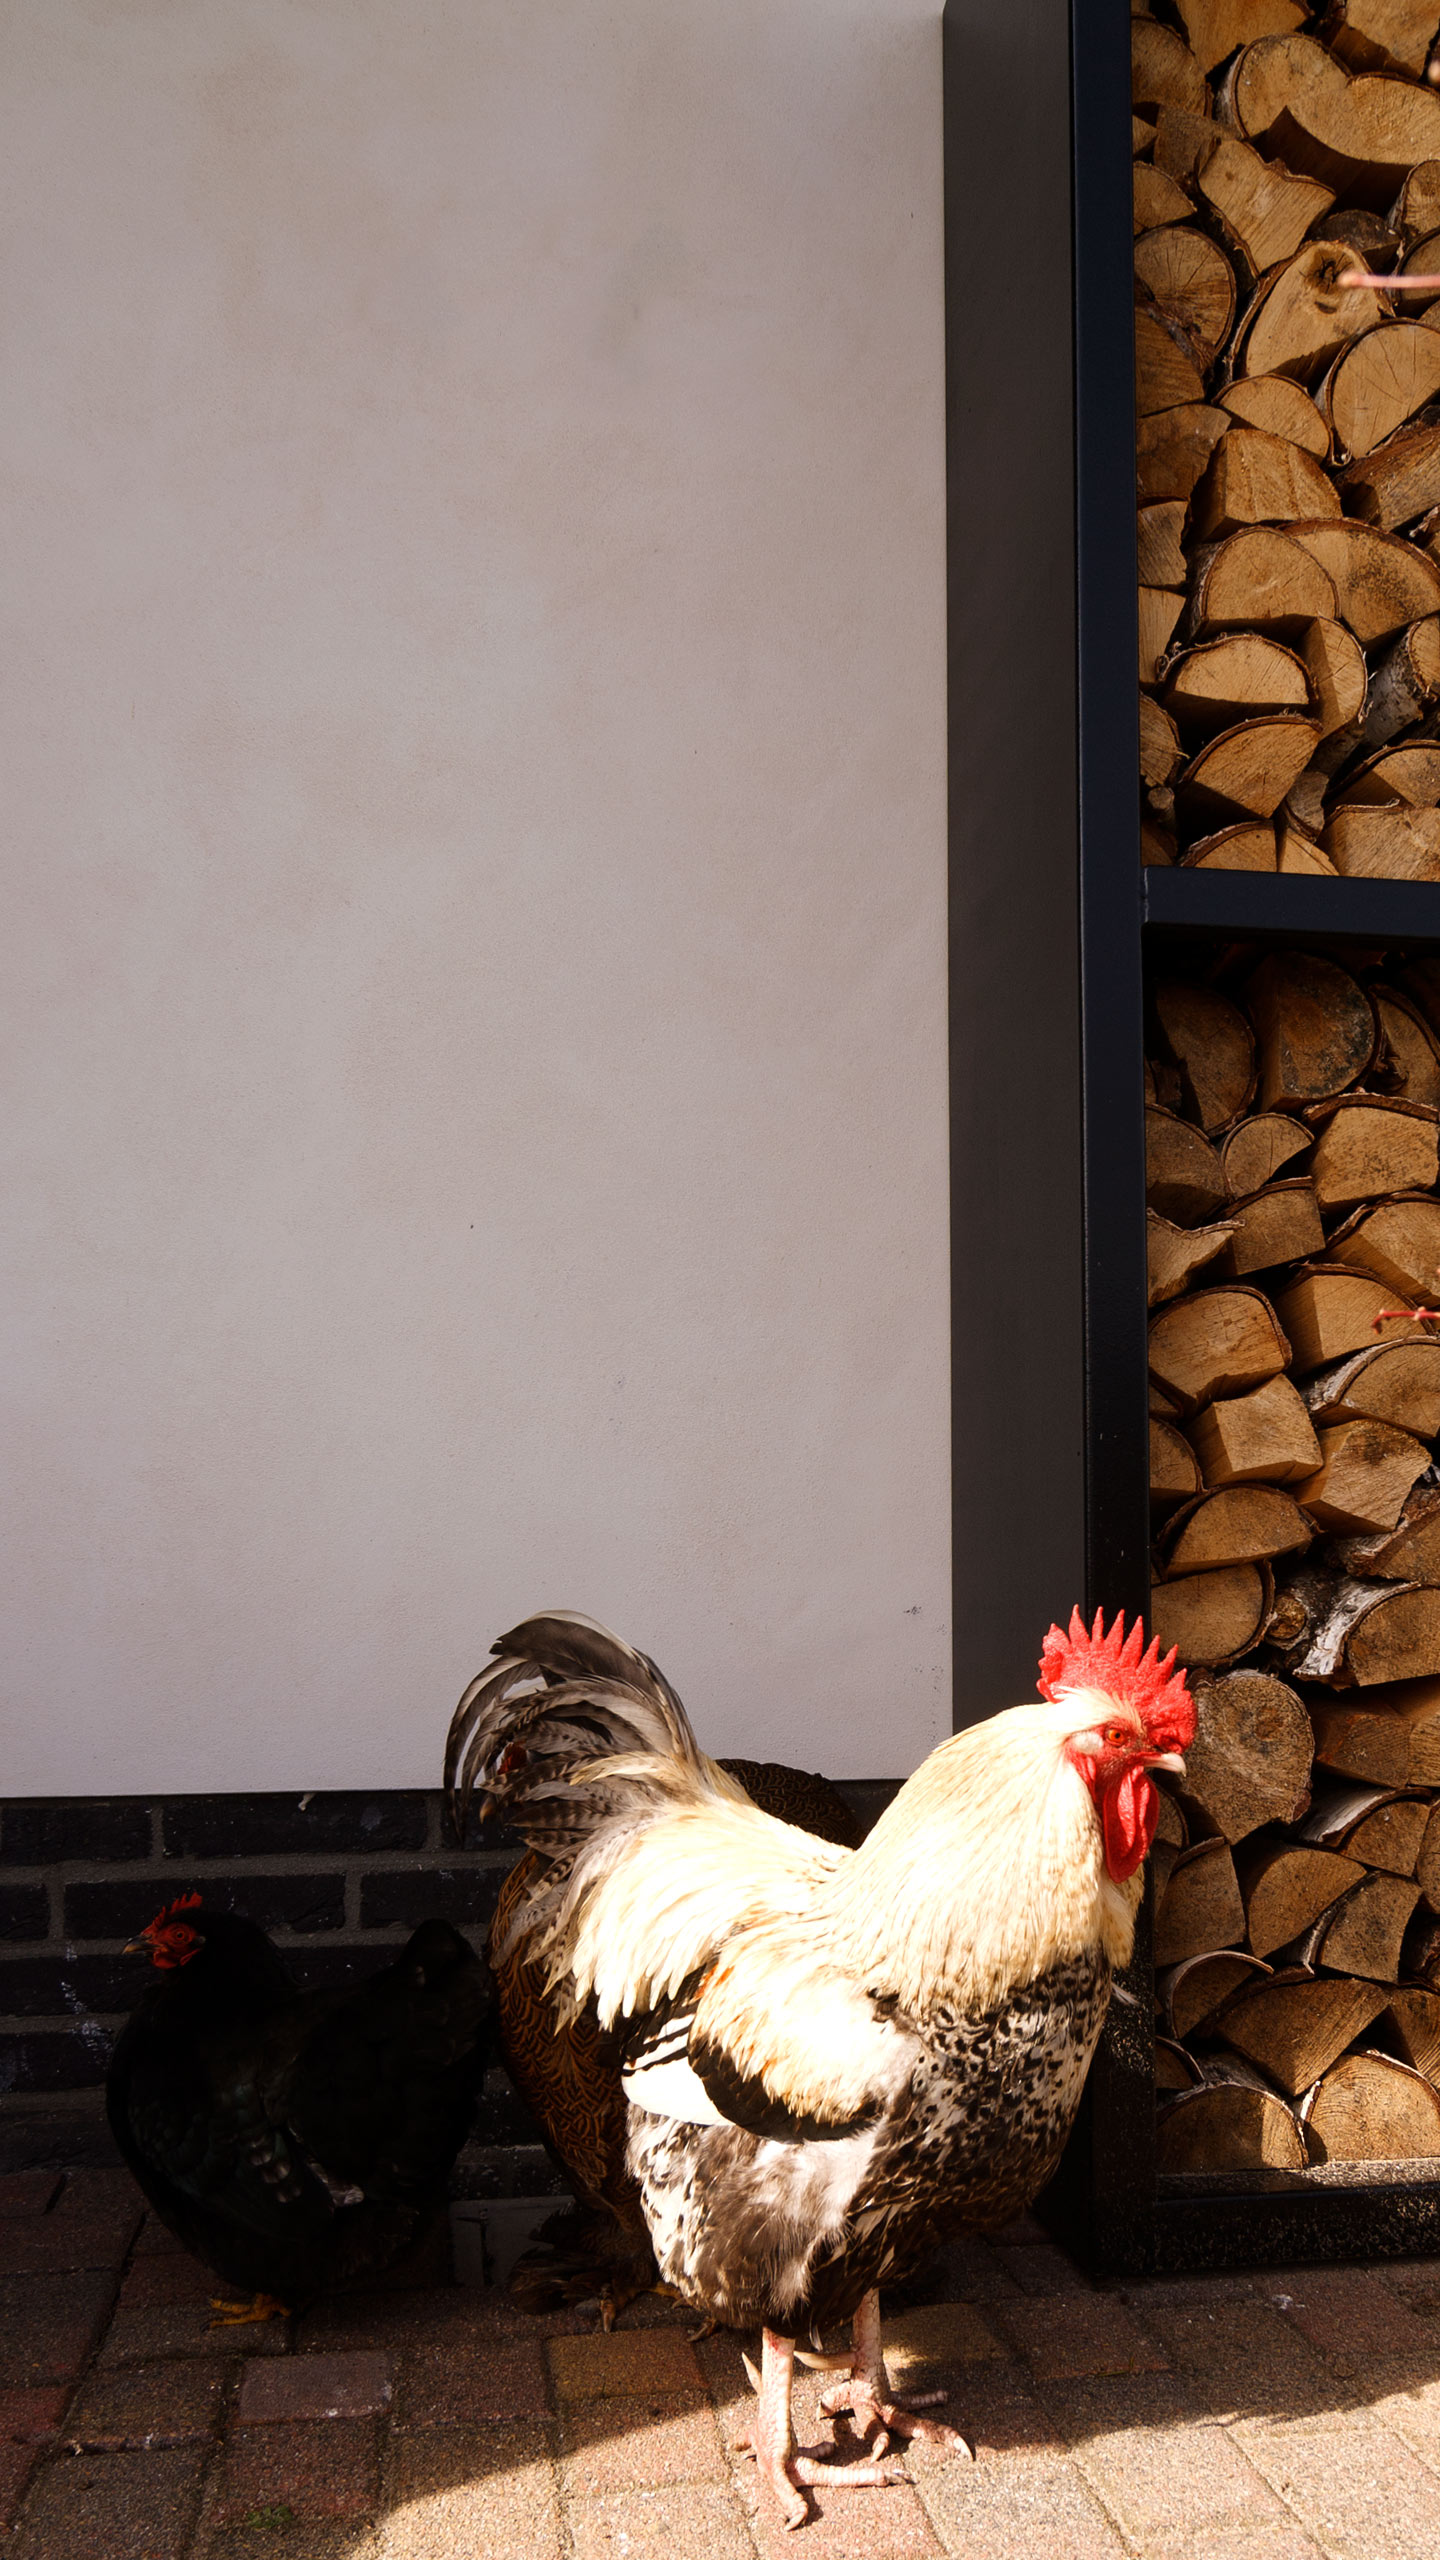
(1128, 1814)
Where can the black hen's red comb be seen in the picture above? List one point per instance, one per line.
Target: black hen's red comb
(1119, 1667)
(172, 1910)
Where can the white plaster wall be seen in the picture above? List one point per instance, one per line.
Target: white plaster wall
(473, 680)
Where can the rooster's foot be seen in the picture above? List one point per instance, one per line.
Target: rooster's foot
(770, 2440)
(877, 2419)
(258, 2306)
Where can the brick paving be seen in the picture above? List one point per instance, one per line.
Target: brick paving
(1281, 2416)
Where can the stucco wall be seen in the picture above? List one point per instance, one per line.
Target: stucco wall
(474, 734)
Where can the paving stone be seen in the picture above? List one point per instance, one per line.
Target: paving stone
(31, 2417)
(495, 2380)
(463, 2493)
(1199, 2292)
(1242, 2358)
(292, 2541)
(92, 2191)
(1353, 2484)
(692, 2524)
(1405, 2396)
(923, 2347)
(27, 2191)
(1348, 2311)
(186, 2329)
(1043, 2270)
(134, 2407)
(1278, 2541)
(64, 2244)
(154, 2281)
(1078, 2333)
(628, 2361)
(358, 2385)
(17, 2461)
(850, 2524)
(1158, 2472)
(973, 2271)
(111, 2506)
(326, 2467)
(424, 2318)
(153, 2240)
(1031, 2506)
(48, 2325)
(997, 2413)
(658, 2443)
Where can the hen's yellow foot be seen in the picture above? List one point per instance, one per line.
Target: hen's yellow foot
(257, 2306)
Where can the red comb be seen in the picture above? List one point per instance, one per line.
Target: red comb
(1119, 1667)
(182, 1902)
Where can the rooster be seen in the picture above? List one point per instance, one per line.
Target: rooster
(832, 2059)
(292, 2138)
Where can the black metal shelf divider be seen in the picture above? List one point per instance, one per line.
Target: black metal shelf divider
(1050, 918)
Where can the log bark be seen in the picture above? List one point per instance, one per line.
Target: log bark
(1193, 1990)
(1393, 1381)
(1406, 682)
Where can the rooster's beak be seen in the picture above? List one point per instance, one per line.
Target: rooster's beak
(1170, 1762)
(137, 1947)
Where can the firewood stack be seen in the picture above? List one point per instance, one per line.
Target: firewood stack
(1293, 1123)
(1288, 435)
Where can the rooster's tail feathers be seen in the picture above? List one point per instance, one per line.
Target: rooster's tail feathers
(566, 1700)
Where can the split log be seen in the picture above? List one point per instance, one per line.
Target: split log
(1364, 1938)
(1213, 1618)
(1358, 135)
(1221, 682)
(1166, 373)
(1160, 752)
(1188, 281)
(1381, 35)
(1294, 2030)
(1366, 1470)
(1193, 1990)
(1174, 1254)
(1172, 448)
(1216, 27)
(1184, 1179)
(1263, 210)
(1157, 198)
(1287, 1888)
(1418, 261)
(1174, 2068)
(1427, 1858)
(1390, 1382)
(1315, 1028)
(1415, 2017)
(1158, 533)
(1201, 1907)
(1379, 382)
(1371, 1144)
(1209, 1040)
(1361, 1742)
(1254, 1152)
(1241, 1524)
(1275, 404)
(1253, 478)
(1375, 1825)
(1158, 612)
(1304, 806)
(1165, 73)
(1246, 770)
(1281, 1224)
(1216, 1343)
(1157, 845)
(1416, 210)
(1183, 144)
(1228, 2126)
(1408, 772)
(1326, 1313)
(1266, 1437)
(1381, 583)
(1364, 1634)
(1174, 1471)
(1399, 1242)
(1396, 483)
(1405, 683)
(1299, 853)
(1394, 843)
(1339, 681)
(1260, 579)
(1410, 1552)
(1302, 315)
(1414, 1059)
(1250, 1761)
(1247, 848)
(1420, 979)
(1370, 2107)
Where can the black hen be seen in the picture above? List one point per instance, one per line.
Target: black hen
(296, 2139)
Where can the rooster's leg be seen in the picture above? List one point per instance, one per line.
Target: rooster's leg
(871, 2401)
(771, 2440)
(256, 2306)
